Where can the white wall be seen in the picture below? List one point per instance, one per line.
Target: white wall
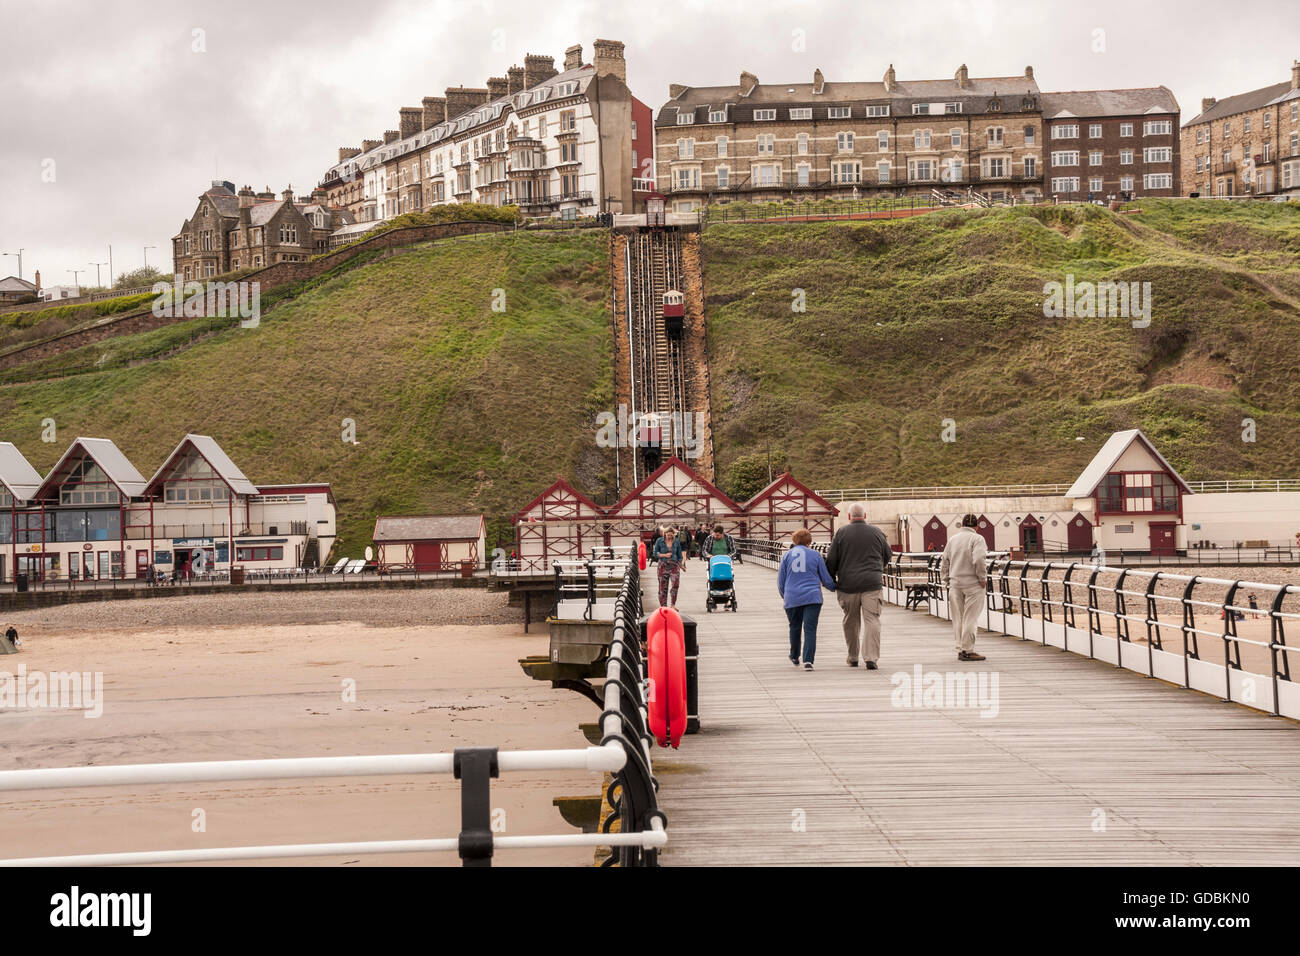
(1226, 518)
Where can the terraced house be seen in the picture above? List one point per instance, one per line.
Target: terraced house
(1111, 144)
(558, 143)
(1245, 145)
(760, 141)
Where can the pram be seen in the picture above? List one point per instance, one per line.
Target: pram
(722, 591)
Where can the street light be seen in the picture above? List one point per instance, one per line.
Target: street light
(146, 255)
(19, 254)
(97, 265)
(75, 280)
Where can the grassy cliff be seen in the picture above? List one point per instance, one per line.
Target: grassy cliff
(456, 406)
(909, 323)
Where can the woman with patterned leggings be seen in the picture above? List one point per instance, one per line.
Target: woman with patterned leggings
(668, 555)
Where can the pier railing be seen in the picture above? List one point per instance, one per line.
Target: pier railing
(634, 829)
(1185, 629)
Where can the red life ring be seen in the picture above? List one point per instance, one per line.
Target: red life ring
(666, 668)
(640, 555)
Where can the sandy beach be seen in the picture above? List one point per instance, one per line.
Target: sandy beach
(248, 676)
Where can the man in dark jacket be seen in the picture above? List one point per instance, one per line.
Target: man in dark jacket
(856, 560)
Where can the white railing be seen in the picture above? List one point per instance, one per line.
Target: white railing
(1007, 491)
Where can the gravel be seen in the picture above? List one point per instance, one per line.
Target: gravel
(399, 607)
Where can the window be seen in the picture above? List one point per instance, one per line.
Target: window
(882, 141)
(568, 122)
(717, 116)
(724, 177)
(1094, 131)
(922, 170)
(686, 149)
(1066, 158)
(1157, 154)
(882, 171)
(1268, 120)
(1126, 157)
(995, 135)
(1031, 167)
(1065, 184)
(1094, 184)
(802, 113)
(837, 112)
(1227, 157)
(1126, 184)
(722, 147)
(1094, 157)
(1200, 136)
(1295, 144)
(802, 173)
(801, 144)
(844, 171)
(1110, 495)
(259, 554)
(1295, 112)
(920, 109)
(1126, 129)
(954, 172)
(954, 138)
(844, 141)
(762, 116)
(767, 174)
(951, 108)
(1200, 164)
(1158, 181)
(1245, 125)
(995, 167)
(1065, 131)
(1160, 127)
(1227, 128)
(767, 143)
(920, 139)
(688, 178)
(881, 110)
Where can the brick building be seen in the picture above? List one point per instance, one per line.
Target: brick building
(759, 141)
(1111, 144)
(554, 142)
(1248, 144)
(248, 230)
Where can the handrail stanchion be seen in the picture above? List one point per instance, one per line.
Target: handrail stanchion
(1189, 627)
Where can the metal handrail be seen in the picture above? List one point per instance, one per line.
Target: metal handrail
(1058, 488)
(624, 752)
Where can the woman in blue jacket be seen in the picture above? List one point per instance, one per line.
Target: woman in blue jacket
(800, 580)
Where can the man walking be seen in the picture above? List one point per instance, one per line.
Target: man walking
(857, 558)
(965, 575)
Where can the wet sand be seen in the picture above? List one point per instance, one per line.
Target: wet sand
(198, 691)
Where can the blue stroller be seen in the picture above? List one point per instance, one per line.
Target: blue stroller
(722, 591)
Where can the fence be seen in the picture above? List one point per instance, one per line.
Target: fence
(816, 209)
(624, 752)
(1044, 600)
(1010, 491)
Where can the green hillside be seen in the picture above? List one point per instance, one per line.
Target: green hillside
(911, 322)
(457, 407)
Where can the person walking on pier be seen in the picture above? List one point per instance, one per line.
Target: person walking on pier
(964, 574)
(799, 581)
(668, 554)
(856, 560)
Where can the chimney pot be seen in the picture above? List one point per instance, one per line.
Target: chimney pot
(747, 82)
(1208, 102)
(515, 79)
(573, 57)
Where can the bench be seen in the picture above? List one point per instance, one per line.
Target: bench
(918, 594)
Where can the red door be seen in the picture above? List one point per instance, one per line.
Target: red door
(1031, 535)
(1079, 535)
(1162, 538)
(141, 563)
(985, 528)
(428, 556)
(935, 536)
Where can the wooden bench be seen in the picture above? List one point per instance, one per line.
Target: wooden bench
(921, 594)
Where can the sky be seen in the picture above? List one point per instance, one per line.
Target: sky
(116, 114)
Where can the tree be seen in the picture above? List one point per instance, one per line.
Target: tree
(748, 474)
(145, 275)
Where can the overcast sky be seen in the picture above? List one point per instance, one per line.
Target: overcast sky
(132, 107)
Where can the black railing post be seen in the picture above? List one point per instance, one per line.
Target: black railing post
(475, 767)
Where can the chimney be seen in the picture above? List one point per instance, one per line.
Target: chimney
(819, 81)
(538, 69)
(391, 136)
(409, 120)
(747, 82)
(498, 86)
(368, 144)
(38, 280)
(347, 152)
(434, 109)
(891, 82)
(607, 58)
(675, 90)
(1207, 103)
(246, 197)
(287, 195)
(1029, 72)
(1295, 75)
(515, 79)
(573, 57)
(318, 195)
(266, 195)
(462, 99)
(962, 77)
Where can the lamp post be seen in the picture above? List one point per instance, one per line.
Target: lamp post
(146, 255)
(19, 254)
(97, 265)
(75, 280)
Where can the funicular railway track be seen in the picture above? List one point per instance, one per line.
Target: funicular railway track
(654, 266)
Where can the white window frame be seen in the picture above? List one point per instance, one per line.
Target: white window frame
(1065, 131)
(764, 116)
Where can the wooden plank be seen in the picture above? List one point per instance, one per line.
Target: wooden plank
(828, 768)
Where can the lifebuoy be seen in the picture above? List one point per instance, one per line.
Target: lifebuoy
(640, 555)
(666, 668)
